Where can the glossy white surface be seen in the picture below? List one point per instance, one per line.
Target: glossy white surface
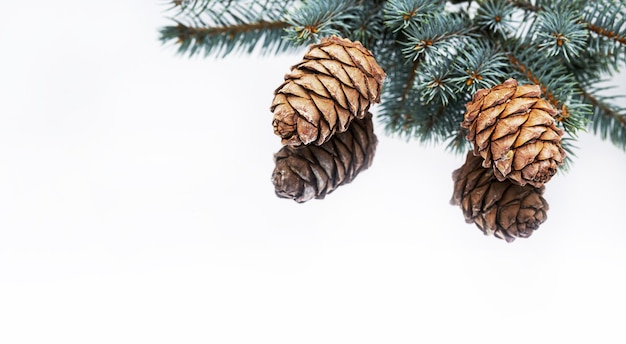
(136, 206)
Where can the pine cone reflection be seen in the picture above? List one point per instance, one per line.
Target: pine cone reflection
(307, 172)
(500, 208)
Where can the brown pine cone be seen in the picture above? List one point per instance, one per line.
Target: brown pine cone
(513, 129)
(500, 208)
(307, 172)
(336, 81)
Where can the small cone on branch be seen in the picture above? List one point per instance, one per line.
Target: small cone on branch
(513, 129)
(336, 82)
(307, 172)
(499, 208)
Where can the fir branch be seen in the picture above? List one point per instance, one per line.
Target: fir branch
(608, 120)
(436, 82)
(397, 107)
(619, 38)
(430, 124)
(458, 143)
(591, 66)
(400, 14)
(223, 27)
(495, 16)
(408, 110)
(427, 122)
(436, 37)
(226, 39)
(220, 12)
(560, 33)
(604, 18)
(368, 25)
(479, 65)
(320, 18)
(408, 85)
(608, 20)
(569, 146)
(437, 54)
(441, 123)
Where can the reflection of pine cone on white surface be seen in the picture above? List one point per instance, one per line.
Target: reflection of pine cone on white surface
(500, 208)
(513, 129)
(336, 82)
(307, 172)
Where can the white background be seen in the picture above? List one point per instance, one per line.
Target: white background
(136, 206)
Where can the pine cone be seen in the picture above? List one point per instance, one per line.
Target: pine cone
(335, 82)
(307, 172)
(500, 208)
(513, 129)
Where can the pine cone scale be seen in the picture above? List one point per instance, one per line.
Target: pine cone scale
(527, 91)
(361, 60)
(374, 88)
(313, 86)
(324, 131)
(316, 53)
(528, 134)
(360, 82)
(526, 154)
(503, 166)
(339, 53)
(280, 105)
(489, 117)
(501, 148)
(336, 70)
(353, 107)
(327, 108)
(509, 214)
(343, 117)
(539, 117)
(306, 108)
(312, 66)
(482, 139)
(497, 97)
(472, 110)
(518, 106)
(551, 135)
(333, 87)
(292, 89)
(508, 126)
(284, 112)
(548, 152)
(544, 105)
(306, 130)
